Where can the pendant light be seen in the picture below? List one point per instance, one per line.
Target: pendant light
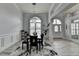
(34, 6)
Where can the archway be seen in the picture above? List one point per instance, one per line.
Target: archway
(57, 25)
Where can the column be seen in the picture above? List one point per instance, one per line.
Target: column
(50, 32)
(68, 24)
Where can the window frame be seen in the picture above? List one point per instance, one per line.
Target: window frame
(36, 22)
(55, 23)
(75, 29)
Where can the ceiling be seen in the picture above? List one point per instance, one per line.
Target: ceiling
(38, 8)
(73, 9)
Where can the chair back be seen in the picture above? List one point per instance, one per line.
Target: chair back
(22, 34)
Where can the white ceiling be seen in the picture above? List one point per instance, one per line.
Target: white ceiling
(38, 8)
(73, 9)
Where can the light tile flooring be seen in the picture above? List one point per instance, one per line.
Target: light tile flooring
(11, 50)
(61, 46)
(66, 47)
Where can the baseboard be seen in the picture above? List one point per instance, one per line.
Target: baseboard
(57, 38)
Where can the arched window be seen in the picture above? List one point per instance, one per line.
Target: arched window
(57, 25)
(35, 26)
(75, 29)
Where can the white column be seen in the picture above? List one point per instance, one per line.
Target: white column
(50, 33)
(68, 24)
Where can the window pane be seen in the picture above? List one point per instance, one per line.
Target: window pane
(31, 21)
(32, 31)
(76, 20)
(38, 20)
(72, 27)
(58, 22)
(38, 29)
(56, 28)
(72, 32)
(77, 28)
(32, 26)
(38, 26)
(38, 33)
(54, 22)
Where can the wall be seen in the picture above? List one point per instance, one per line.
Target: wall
(42, 16)
(58, 13)
(68, 31)
(62, 33)
(10, 18)
(10, 24)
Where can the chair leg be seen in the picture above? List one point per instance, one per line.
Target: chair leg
(30, 49)
(42, 45)
(39, 46)
(36, 49)
(27, 46)
(22, 46)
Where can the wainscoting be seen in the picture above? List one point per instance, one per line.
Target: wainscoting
(8, 40)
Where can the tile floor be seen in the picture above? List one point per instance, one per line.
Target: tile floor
(61, 46)
(66, 47)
